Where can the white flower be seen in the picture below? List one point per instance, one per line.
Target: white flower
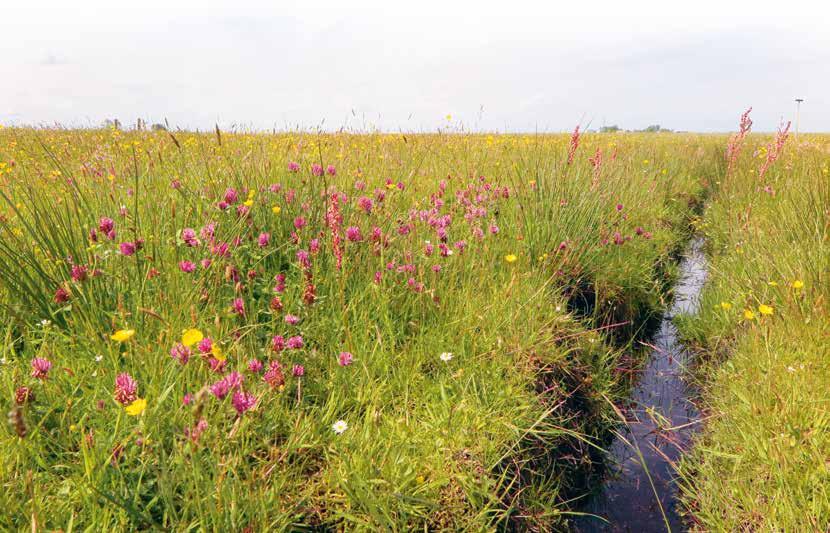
(99, 358)
(45, 322)
(446, 356)
(340, 426)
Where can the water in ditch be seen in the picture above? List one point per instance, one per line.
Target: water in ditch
(660, 420)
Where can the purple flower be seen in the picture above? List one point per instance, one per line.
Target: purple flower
(40, 367)
(345, 359)
(255, 366)
(294, 343)
(231, 196)
(365, 203)
(239, 306)
(278, 343)
(187, 266)
(316, 169)
(264, 239)
(106, 225)
(299, 222)
(331, 171)
(234, 380)
(205, 345)
(61, 295)
(298, 371)
(293, 166)
(127, 248)
(273, 376)
(303, 258)
(181, 353)
(220, 389)
(126, 389)
(353, 234)
(292, 319)
(243, 401)
(79, 273)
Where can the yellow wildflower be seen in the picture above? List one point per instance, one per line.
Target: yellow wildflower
(276, 209)
(765, 309)
(510, 258)
(748, 314)
(249, 202)
(136, 407)
(191, 337)
(123, 335)
(797, 284)
(216, 352)
(772, 283)
(726, 306)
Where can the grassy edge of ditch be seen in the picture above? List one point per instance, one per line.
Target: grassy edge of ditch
(621, 323)
(763, 344)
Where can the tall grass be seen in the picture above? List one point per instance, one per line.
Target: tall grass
(493, 436)
(761, 463)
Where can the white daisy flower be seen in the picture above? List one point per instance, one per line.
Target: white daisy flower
(340, 426)
(446, 356)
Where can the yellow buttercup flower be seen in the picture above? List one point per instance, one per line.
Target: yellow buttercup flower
(797, 284)
(123, 335)
(765, 310)
(217, 354)
(191, 337)
(510, 258)
(136, 407)
(748, 314)
(248, 202)
(276, 209)
(726, 306)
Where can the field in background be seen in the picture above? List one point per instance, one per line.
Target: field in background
(238, 331)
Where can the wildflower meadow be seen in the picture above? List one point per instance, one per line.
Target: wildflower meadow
(233, 331)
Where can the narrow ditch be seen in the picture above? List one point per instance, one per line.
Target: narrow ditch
(638, 491)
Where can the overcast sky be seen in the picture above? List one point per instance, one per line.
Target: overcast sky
(516, 66)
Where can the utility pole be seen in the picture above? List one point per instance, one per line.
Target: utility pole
(797, 114)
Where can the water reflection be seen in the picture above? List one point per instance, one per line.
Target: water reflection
(660, 418)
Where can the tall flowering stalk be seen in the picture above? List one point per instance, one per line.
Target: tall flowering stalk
(733, 147)
(334, 220)
(596, 163)
(574, 144)
(775, 149)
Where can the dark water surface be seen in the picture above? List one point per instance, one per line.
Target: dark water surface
(661, 419)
